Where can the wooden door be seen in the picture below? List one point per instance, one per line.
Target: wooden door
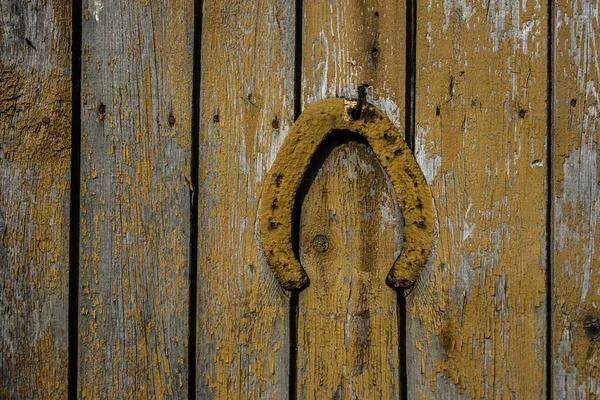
(137, 139)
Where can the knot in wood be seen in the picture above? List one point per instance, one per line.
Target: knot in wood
(320, 243)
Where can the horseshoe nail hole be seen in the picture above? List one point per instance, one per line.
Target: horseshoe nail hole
(278, 179)
(591, 325)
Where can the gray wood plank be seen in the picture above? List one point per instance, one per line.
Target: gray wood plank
(247, 106)
(135, 206)
(35, 151)
(576, 201)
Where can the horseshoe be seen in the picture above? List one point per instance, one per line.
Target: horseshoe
(292, 160)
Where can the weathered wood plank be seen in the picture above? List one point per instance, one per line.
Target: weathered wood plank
(247, 106)
(476, 319)
(135, 207)
(35, 151)
(346, 44)
(348, 317)
(576, 201)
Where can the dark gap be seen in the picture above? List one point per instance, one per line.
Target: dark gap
(74, 201)
(411, 67)
(293, 340)
(402, 341)
(550, 188)
(296, 211)
(298, 61)
(196, 80)
(409, 134)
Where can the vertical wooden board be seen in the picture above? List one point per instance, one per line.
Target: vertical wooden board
(348, 316)
(135, 206)
(346, 44)
(247, 106)
(35, 151)
(575, 201)
(476, 318)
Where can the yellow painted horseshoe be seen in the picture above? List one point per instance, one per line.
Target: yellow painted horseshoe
(292, 160)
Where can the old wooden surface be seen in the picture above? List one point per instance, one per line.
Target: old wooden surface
(135, 206)
(477, 318)
(35, 151)
(348, 341)
(246, 108)
(345, 45)
(576, 201)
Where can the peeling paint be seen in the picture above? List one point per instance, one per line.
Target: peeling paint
(476, 317)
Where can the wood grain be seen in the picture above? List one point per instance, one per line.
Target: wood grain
(346, 44)
(477, 317)
(35, 151)
(347, 318)
(576, 201)
(135, 206)
(246, 108)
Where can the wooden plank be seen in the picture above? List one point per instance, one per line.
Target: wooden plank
(476, 319)
(346, 44)
(35, 152)
(348, 316)
(247, 106)
(575, 199)
(135, 207)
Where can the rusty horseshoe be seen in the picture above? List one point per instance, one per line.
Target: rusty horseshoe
(292, 160)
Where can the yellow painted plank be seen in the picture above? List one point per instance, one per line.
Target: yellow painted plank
(575, 197)
(350, 233)
(346, 44)
(136, 199)
(246, 109)
(476, 319)
(35, 151)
